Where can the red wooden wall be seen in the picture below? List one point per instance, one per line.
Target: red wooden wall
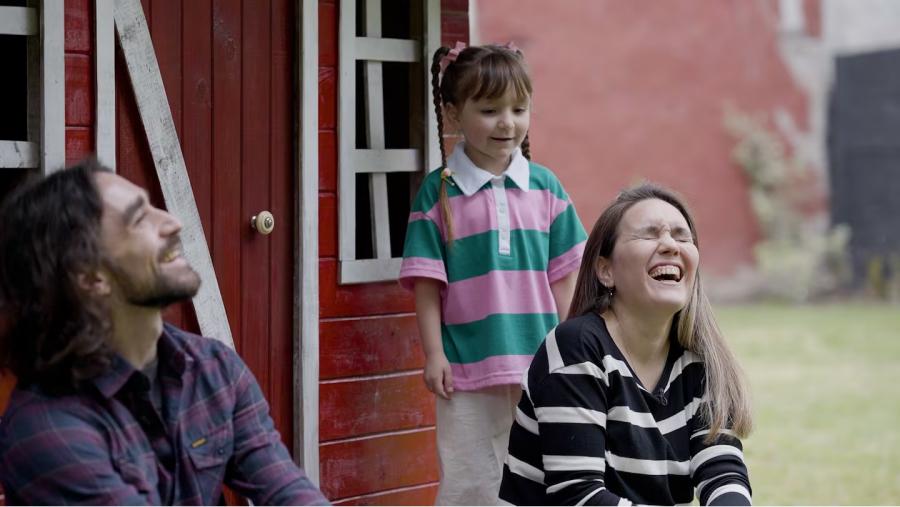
(376, 418)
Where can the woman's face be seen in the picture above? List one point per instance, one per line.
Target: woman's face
(654, 261)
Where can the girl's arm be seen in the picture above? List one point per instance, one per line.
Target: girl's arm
(438, 377)
(563, 290)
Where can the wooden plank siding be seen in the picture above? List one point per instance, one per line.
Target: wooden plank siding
(376, 417)
(79, 80)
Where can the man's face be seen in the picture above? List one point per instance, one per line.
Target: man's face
(142, 250)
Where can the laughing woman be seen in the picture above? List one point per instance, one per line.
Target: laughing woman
(635, 398)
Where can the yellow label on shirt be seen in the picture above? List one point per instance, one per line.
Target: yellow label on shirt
(197, 443)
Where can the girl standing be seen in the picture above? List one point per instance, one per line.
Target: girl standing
(492, 248)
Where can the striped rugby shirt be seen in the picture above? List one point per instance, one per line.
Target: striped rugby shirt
(514, 235)
(587, 432)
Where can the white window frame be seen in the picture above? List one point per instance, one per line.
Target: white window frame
(377, 161)
(45, 147)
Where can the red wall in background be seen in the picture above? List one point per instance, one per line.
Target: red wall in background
(632, 90)
(376, 419)
(80, 72)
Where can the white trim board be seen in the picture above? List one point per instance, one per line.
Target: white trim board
(18, 21)
(306, 283)
(53, 89)
(105, 62)
(18, 155)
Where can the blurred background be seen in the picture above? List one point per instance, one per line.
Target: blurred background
(779, 122)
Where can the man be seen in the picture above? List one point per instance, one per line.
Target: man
(112, 405)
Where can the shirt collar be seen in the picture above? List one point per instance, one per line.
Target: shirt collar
(471, 178)
(169, 352)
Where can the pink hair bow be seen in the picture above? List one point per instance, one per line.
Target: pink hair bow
(451, 56)
(511, 46)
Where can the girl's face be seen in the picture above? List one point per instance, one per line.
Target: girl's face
(493, 128)
(654, 261)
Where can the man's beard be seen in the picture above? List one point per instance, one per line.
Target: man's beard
(164, 290)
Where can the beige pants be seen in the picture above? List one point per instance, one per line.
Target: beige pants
(472, 440)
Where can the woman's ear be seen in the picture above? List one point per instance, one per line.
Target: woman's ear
(95, 283)
(603, 270)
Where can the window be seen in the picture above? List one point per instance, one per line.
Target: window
(32, 94)
(387, 136)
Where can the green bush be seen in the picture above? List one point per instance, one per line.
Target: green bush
(798, 258)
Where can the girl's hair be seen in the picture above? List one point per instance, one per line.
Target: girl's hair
(726, 393)
(478, 72)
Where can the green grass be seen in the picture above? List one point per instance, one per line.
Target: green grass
(826, 392)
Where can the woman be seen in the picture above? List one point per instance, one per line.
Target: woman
(636, 397)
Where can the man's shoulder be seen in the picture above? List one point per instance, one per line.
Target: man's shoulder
(196, 346)
(31, 413)
(206, 357)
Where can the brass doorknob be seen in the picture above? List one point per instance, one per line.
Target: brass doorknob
(263, 222)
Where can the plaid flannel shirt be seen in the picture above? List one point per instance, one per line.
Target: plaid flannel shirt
(107, 444)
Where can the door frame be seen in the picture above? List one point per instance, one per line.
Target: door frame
(306, 248)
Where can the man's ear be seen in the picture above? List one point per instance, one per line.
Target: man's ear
(95, 283)
(603, 270)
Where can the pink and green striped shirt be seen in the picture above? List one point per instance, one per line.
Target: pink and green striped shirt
(514, 235)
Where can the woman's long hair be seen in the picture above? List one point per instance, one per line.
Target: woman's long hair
(726, 392)
(57, 335)
(478, 72)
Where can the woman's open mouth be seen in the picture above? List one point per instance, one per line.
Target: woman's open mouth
(666, 273)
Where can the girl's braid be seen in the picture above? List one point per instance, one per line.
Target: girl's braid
(438, 110)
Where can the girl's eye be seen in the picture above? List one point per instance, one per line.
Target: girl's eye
(488, 111)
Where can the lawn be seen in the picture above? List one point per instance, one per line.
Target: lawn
(826, 392)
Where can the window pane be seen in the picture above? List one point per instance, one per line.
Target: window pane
(13, 88)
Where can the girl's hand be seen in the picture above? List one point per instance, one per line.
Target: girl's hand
(438, 377)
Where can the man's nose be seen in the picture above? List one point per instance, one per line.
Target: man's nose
(171, 224)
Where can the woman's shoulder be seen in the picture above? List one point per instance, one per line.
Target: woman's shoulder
(576, 346)
(582, 339)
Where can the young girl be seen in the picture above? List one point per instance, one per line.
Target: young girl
(492, 248)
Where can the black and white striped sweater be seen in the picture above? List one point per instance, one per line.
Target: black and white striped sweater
(588, 433)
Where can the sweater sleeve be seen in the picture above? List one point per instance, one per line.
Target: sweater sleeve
(717, 467)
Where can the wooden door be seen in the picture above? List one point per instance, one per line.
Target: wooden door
(227, 67)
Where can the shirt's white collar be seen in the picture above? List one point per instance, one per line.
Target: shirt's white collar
(469, 177)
